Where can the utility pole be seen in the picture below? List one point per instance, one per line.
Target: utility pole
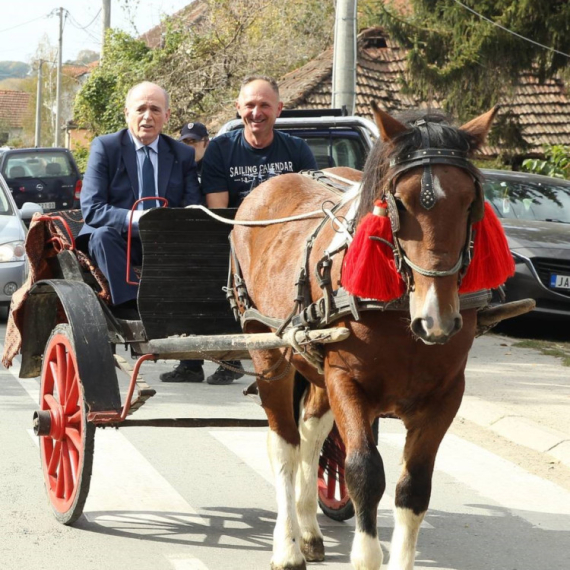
(106, 13)
(38, 136)
(58, 83)
(344, 56)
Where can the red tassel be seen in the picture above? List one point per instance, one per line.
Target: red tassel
(369, 269)
(492, 262)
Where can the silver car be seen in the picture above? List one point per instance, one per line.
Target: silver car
(13, 263)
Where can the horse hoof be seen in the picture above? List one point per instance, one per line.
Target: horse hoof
(314, 549)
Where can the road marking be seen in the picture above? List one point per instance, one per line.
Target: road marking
(540, 502)
(128, 492)
(251, 447)
(186, 563)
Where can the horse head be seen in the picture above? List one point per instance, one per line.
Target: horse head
(421, 170)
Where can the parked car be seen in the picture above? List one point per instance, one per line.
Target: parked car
(535, 213)
(46, 176)
(13, 264)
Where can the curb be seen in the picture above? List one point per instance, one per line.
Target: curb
(516, 428)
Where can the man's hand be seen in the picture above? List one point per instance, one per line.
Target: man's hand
(218, 200)
(135, 220)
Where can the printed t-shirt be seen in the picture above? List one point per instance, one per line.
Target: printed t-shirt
(232, 165)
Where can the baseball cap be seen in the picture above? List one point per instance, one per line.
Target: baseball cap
(195, 131)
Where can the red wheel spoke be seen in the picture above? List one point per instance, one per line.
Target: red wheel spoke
(61, 371)
(331, 483)
(54, 457)
(52, 403)
(74, 456)
(72, 394)
(68, 478)
(60, 477)
(74, 418)
(54, 373)
(73, 436)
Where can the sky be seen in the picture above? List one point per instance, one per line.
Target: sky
(25, 23)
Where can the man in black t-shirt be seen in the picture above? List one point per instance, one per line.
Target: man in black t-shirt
(238, 161)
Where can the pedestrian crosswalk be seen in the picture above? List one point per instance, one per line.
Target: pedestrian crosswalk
(476, 496)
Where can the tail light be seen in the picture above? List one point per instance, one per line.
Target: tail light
(77, 193)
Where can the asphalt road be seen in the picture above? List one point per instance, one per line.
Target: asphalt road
(203, 499)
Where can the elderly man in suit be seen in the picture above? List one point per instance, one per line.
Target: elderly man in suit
(134, 163)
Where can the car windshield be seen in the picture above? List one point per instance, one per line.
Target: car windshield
(529, 200)
(37, 165)
(337, 151)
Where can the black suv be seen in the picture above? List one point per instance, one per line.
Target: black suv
(47, 176)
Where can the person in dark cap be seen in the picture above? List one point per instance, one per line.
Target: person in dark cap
(196, 135)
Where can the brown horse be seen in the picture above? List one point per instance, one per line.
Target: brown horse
(407, 363)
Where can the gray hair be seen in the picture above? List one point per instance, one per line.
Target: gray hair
(147, 83)
(251, 78)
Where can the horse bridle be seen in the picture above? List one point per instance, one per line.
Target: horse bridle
(425, 157)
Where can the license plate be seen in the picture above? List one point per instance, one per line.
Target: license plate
(560, 281)
(48, 205)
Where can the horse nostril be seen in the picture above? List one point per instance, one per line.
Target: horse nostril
(457, 324)
(417, 328)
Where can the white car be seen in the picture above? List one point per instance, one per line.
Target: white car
(13, 263)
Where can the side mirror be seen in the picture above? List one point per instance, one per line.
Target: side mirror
(28, 210)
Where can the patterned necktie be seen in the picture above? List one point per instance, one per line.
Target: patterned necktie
(148, 187)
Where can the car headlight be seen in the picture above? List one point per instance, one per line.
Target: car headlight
(12, 251)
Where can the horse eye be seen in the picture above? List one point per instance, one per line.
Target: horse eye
(400, 206)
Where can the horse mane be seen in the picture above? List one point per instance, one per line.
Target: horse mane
(442, 134)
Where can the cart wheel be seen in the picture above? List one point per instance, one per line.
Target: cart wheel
(66, 438)
(332, 492)
(333, 495)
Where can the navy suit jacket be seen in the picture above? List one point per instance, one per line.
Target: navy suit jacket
(111, 185)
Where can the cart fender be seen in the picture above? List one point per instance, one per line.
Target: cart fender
(95, 361)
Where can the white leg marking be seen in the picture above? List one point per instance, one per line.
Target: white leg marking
(404, 539)
(366, 552)
(313, 434)
(284, 458)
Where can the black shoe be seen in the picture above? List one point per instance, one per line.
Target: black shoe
(224, 376)
(183, 374)
(126, 311)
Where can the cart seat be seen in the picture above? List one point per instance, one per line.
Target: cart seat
(184, 272)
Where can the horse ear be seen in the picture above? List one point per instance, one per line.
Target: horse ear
(479, 128)
(389, 127)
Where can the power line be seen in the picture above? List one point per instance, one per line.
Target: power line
(25, 23)
(510, 31)
(75, 23)
(78, 26)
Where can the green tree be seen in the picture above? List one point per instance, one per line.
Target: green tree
(557, 163)
(467, 60)
(100, 103)
(202, 65)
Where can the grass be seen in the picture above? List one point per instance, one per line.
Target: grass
(549, 348)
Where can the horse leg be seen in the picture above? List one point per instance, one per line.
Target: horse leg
(363, 468)
(315, 423)
(424, 435)
(283, 449)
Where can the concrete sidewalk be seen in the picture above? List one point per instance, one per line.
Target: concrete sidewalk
(520, 394)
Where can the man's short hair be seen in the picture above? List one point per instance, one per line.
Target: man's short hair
(270, 80)
(164, 92)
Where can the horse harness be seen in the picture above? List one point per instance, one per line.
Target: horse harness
(337, 304)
